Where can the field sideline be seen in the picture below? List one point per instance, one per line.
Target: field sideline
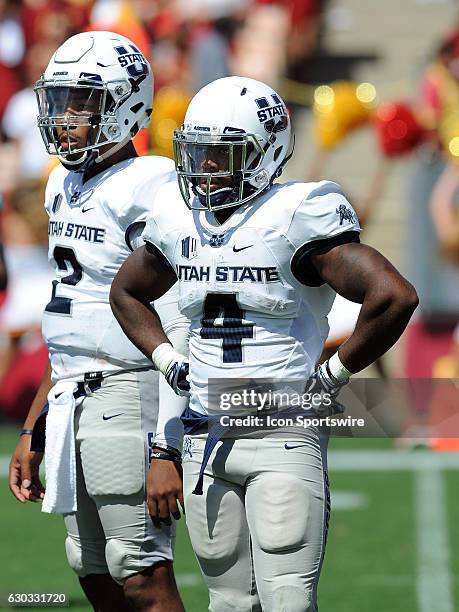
(393, 543)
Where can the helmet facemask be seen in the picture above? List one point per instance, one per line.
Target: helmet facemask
(67, 105)
(203, 161)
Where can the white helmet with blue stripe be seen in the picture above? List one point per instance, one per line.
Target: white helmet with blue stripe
(235, 128)
(100, 80)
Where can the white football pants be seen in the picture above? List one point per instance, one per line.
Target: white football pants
(259, 529)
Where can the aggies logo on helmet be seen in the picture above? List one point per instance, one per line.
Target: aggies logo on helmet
(274, 117)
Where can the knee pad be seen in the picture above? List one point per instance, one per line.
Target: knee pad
(86, 559)
(279, 516)
(127, 557)
(113, 466)
(289, 596)
(117, 554)
(74, 555)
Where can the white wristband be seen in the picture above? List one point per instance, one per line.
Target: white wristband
(163, 355)
(337, 369)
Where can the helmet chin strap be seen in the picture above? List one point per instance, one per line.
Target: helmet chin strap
(119, 145)
(75, 163)
(91, 157)
(217, 197)
(217, 192)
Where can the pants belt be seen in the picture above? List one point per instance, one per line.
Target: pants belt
(92, 382)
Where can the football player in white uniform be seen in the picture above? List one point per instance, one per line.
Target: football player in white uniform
(258, 264)
(94, 96)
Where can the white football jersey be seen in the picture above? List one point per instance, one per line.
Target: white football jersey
(90, 226)
(257, 306)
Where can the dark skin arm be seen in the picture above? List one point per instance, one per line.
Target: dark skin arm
(164, 491)
(24, 478)
(142, 279)
(361, 274)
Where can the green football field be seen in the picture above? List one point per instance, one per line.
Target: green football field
(393, 544)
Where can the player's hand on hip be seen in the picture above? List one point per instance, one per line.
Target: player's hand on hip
(323, 384)
(164, 490)
(174, 366)
(24, 479)
(178, 377)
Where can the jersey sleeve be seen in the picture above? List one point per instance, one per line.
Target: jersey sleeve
(156, 243)
(165, 223)
(133, 235)
(323, 219)
(136, 199)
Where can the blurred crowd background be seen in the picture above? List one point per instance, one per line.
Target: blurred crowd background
(373, 89)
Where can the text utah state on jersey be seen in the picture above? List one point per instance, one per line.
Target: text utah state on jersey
(231, 274)
(76, 231)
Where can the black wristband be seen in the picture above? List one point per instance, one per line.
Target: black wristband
(166, 456)
(26, 432)
(168, 449)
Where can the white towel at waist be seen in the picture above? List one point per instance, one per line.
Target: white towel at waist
(60, 461)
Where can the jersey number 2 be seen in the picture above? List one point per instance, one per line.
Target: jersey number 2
(66, 262)
(223, 319)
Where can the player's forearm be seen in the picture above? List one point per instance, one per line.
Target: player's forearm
(39, 399)
(384, 315)
(363, 275)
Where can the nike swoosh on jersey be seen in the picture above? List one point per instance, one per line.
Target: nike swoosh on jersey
(288, 446)
(236, 250)
(83, 210)
(111, 416)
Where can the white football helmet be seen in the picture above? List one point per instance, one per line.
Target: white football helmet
(95, 79)
(243, 126)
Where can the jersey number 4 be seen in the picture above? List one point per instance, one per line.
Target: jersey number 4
(223, 319)
(66, 262)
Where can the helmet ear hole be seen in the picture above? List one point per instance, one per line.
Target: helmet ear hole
(277, 152)
(253, 163)
(109, 103)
